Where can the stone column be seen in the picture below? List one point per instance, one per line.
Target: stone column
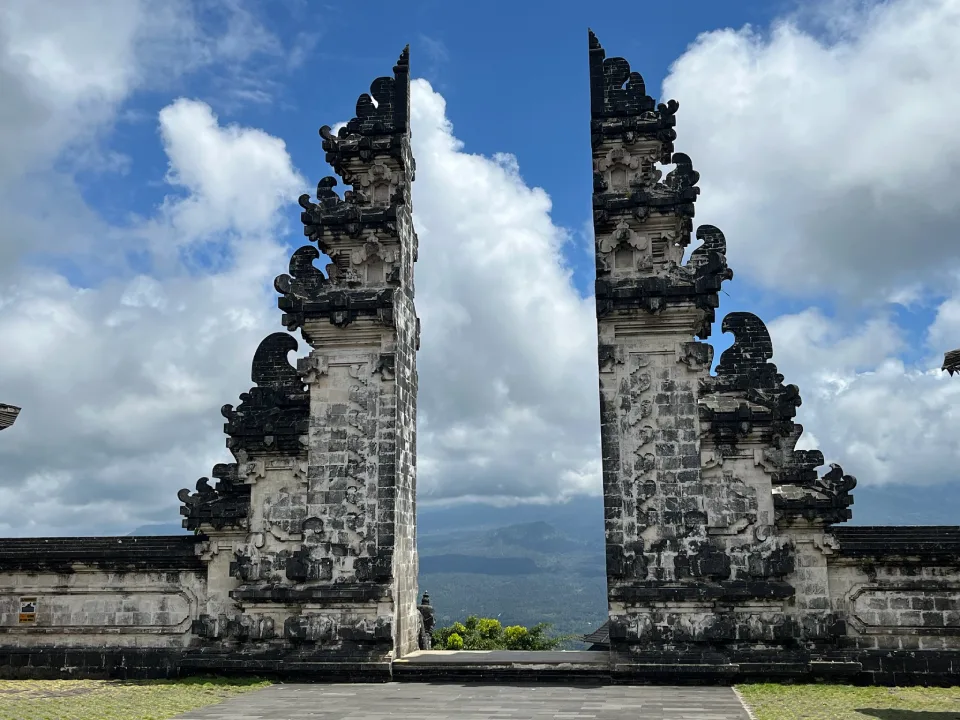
(651, 307)
(715, 524)
(312, 533)
(361, 324)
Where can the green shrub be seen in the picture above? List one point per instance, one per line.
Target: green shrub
(477, 633)
(489, 628)
(516, 637)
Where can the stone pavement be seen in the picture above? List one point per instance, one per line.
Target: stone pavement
(444, 701)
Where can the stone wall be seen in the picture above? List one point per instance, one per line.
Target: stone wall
(97, 606)
(898, 589)
(304, 558)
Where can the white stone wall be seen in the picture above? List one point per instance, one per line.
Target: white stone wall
(94, 608)
(897, 603)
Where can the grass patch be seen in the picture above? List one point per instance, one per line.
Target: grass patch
(115, 699)
(771, 701)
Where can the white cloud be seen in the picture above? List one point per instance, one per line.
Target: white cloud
(884, 422)
(235, 177)
(831, 163)
(817, 193)
(944, 332)
(508, 399)
(120, 381)
(120, 384)
(66, 69)
(830, 159)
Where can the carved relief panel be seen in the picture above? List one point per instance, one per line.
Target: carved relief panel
(629, 165)
(340, 513)
(640, 248)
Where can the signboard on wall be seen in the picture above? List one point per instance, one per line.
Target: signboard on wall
(28, 610)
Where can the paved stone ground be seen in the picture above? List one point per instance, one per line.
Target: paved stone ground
(445, 701)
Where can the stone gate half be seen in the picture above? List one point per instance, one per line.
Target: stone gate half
(722, 555)
(318, 563)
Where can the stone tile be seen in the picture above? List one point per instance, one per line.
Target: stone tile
(443, 701)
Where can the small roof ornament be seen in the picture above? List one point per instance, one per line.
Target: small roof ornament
(8, 414)
(951, 362)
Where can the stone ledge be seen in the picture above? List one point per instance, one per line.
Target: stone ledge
(883, 541)
(63, 554)
(702, 591)
(330, 593)
(865, 667)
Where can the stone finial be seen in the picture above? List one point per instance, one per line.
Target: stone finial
(951, 362)
(220, 506)
(620, 106)
(748, 397)
(361, 230)
(8, 415)
(614, 89)
(273, 416)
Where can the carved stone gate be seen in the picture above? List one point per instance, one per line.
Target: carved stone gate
(724, 555)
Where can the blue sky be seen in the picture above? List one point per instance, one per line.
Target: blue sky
(514, 77)
(153, 152)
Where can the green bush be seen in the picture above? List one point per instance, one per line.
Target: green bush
(489, 628)
(476, 633)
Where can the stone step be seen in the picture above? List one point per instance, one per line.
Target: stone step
(499, 665)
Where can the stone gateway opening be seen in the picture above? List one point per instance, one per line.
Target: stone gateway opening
(726, 555)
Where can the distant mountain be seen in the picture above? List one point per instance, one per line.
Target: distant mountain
(581, 517)
(522, 573)
(537, 536)
(477, 565)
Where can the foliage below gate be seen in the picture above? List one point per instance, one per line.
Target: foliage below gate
(476, 633)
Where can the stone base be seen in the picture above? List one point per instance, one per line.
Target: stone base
(909, 667)
(42, 663)
(700, 671)
(865, 667)
(508, 666)
(302, 667)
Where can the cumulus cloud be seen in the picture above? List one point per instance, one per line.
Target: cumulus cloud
(66, 70)
(508, 379)
(120, 381)
(120, 384)
(830, 159)
(810, 165)
(233, 176)
(885, 422)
